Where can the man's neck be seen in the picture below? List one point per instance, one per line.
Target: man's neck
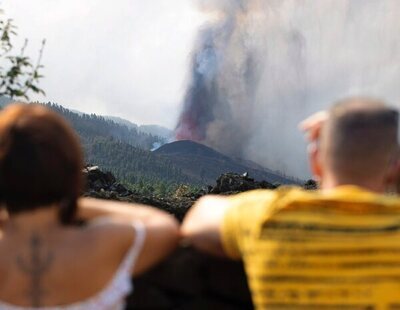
(371, 185)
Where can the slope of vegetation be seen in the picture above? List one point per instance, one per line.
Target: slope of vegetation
(124, 151)
(140, 170)
(92, 126)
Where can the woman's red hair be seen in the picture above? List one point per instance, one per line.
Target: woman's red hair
(41, 161)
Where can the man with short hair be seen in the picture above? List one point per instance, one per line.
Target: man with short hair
(335, 248)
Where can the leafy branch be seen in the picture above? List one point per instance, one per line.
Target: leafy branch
(20, 75)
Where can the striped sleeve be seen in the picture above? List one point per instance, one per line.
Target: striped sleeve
(229, 232)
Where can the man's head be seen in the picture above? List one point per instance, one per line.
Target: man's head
(358, 145)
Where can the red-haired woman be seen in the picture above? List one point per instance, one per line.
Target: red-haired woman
(46, 261)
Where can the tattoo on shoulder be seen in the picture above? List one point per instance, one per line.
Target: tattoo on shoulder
(35, 266)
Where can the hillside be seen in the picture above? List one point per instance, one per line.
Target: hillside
(121, 121)
(134, 165)
(118, 146)
(154, 130)
(92, 126)
(205, 164)
(124, 149)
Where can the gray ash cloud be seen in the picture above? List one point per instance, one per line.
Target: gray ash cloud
(261, 66)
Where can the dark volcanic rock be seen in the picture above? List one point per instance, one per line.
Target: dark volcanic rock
(310, 185)
(103, 185)
(231, 183)
(97, 180)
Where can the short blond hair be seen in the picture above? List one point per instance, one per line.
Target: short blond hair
(360, 137)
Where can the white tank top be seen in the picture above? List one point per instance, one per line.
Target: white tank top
(112, 297)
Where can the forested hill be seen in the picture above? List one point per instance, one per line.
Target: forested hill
(122, 148)
(94, 126)
(206, 164)
(125, 151)
(142, 169)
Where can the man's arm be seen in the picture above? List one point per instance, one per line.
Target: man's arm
(202, 226)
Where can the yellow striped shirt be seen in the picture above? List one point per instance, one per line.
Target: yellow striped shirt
(317, 250)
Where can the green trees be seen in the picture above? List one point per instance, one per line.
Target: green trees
(19, 74)
(125, 152)
(94, 126)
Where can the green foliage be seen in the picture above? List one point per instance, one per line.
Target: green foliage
(19, 74)
(136, 166)
(125, 152)
(90, 127)
(163, 189)
(185, 190)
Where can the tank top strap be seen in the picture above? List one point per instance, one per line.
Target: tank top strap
(112, 296)
(133, 252)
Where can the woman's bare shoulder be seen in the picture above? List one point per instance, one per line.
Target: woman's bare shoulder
(109, 234)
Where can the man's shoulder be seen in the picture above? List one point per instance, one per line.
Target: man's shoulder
(291, 199)
(260, 196)
(258, 206)
(343, 200)
(262, 202)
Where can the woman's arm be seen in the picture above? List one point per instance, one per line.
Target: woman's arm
(91, 209)
(162, 230)
(3, 217)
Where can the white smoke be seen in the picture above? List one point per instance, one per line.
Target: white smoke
(281, 60)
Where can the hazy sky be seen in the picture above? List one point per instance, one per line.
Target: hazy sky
(127, 58)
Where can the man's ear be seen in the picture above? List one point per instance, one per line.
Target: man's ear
(393, 175)
(314, 157)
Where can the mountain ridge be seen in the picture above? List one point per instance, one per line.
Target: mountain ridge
(126, 151)
(207, 164)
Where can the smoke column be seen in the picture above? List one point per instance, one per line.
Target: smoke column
(261, 66)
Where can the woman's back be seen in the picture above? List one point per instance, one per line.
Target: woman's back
(45, 260)
(60, 265)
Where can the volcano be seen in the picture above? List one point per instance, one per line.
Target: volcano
(205, 164)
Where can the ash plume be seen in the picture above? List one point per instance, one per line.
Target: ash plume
(261, 66)
(222, 58)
